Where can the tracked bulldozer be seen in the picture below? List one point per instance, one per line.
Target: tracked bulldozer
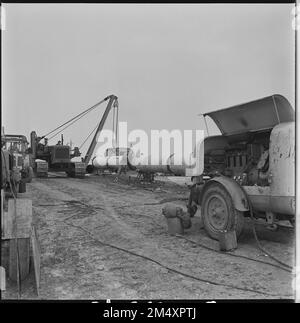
(58, 158)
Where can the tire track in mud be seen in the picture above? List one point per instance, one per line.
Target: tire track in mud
(114, 228)
(65, 251)
(203, 280)
(103, 218)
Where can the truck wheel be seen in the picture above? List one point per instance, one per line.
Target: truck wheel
(219, 213)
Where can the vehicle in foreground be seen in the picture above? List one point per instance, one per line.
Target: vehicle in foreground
(248, 170)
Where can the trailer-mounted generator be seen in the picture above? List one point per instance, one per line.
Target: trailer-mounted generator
(247, 170)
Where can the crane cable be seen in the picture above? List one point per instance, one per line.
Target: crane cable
(116, 106)
(77, 116)
(85, 140)
(114, 126)
(67, 126)
(115, 122)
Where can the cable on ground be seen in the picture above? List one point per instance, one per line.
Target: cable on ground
(169, 268)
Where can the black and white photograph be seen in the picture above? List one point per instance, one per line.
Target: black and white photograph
(148, 153)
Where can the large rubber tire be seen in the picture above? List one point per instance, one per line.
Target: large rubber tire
(218, 212)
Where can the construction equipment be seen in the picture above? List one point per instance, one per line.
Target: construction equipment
(11, 175)
(58, 158)
(13, 149)
(248, 170)
(113, 102)
(16, 214)
(55, 158)
(18, 146)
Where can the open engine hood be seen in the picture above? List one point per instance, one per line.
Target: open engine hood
(253, 116)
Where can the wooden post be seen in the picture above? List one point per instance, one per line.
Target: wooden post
(23, 210)
(24, 258)
(36, 258)
(18, 232)
(2, 210)
(2, 279)
(17, 224)
(227, 240)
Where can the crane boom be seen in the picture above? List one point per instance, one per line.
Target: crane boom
(112, 99)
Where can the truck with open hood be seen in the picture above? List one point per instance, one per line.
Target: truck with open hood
(247, 170)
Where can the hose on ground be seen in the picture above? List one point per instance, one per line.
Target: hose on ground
(260, 247)
(169, 268)
(231, 254)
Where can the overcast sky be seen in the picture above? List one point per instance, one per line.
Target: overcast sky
(166, 63)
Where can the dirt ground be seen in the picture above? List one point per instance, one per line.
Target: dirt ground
(105, 240)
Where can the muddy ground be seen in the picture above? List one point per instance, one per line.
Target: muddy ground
(105, 240)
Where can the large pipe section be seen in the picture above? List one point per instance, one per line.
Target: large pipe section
(110, 163)
(165, 167)
(142, 165)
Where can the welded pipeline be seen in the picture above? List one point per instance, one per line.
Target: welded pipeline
(142, 165)
(167, 167)
(111, 163)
